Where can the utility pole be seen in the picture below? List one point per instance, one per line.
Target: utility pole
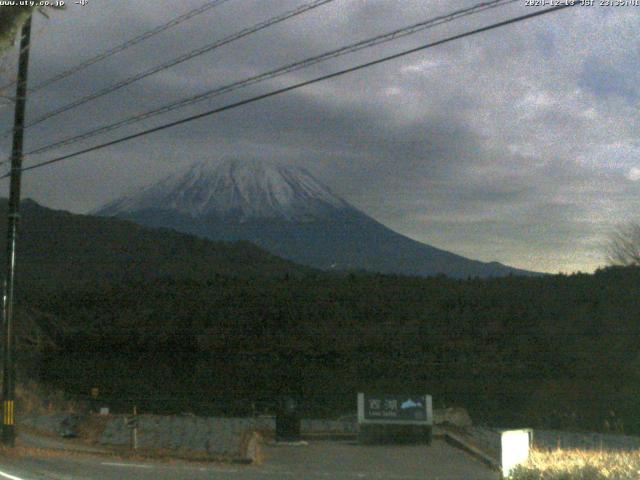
(13, 217)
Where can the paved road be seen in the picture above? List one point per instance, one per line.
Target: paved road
(319, 460)
(348, 460)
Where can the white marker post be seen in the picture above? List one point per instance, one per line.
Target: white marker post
(514, 449)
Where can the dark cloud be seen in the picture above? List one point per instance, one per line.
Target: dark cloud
(604, 79)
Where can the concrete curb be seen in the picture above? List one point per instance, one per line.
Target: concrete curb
(461, 441)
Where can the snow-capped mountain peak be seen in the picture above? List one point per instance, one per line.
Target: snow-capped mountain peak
(286, 211)
(237, 190)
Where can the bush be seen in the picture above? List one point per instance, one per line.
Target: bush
(34, 399)
(579, 465)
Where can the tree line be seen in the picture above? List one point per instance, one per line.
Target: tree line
(545, 351)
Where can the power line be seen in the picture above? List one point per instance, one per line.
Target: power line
(183, 58)
(299, 85)
(123, 46)
(377, 40)
(278, 72)
(11, 99)
(6, 87)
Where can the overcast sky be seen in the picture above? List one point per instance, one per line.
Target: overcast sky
(518, 145)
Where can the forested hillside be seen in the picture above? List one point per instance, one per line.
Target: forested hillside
(61, 251)
(555, 351)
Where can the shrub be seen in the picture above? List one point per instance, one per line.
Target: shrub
(579, 465)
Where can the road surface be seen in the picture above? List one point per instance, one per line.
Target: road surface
(318, 460)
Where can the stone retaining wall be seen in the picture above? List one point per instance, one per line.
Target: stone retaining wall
(310, 426)
(214, 436)
(206, 434)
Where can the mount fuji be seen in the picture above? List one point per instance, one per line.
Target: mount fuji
(286, 211)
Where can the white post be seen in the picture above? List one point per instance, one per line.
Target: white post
(514, 449)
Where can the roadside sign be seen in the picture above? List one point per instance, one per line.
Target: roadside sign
(398, 409)
(131, 422)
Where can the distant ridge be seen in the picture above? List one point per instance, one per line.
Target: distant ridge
(288, 212)
(64, 251)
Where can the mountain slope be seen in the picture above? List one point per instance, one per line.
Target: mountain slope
(61, 250)
(286, 211)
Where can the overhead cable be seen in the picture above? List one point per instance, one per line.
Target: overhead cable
(123, 46)
(297, 86)
(183, 58)
(368, 43)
